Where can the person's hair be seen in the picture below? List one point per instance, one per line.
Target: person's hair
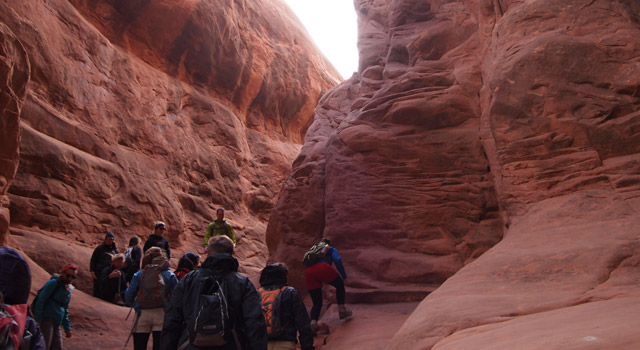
(327, 241)
(274, 274)
(158, 224)
(117, 257)
(134, 241)
(189, 260)
(152, 253)
(219, 209)
(220, 244)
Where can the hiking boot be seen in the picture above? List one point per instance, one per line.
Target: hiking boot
(344, 313)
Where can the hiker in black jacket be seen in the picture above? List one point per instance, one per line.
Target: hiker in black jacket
(113, 283)
(156, 239)
(245, 314)
(100, 259)
(293, 314)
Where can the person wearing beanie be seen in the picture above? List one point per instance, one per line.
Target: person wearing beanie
(15, 284)
(293, 314)
(156, 239)
(51, 309)
(101, 259)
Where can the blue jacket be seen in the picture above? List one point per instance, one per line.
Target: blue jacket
(334, 257)
(53, 304)
(170, 282)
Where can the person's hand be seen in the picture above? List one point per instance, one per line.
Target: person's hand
(67, 334)
(115, 274)
(93, 275)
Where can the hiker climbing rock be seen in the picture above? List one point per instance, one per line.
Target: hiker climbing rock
(219, 227)
(319, 270)
(285, 314)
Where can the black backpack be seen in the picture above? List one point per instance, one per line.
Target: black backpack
(212, 324)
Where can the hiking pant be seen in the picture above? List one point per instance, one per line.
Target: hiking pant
(140, 340)
(52, 334)
(281, 345)
(316, 297)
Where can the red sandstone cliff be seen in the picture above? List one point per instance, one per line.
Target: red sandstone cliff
(14, 70)
(138, 111)
(491, 144)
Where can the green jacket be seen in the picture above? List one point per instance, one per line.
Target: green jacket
(216, 228)
(53, 304)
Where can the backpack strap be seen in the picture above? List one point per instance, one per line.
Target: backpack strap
(59, 285)
(224, 227)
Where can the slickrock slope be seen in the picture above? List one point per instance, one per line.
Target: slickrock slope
(153, 110)
(491, 144)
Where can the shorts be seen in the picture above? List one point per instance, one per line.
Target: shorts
(281, 345)
(150, 320)
(317, 274)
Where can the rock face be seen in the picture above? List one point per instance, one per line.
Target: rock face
(14, 72)
(140, 111)
(491, 144)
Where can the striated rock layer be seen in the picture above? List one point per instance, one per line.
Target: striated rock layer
(140, 111)
(14, 72)
(491, 144)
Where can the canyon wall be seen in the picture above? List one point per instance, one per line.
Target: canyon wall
(116, 114)
(15, 71)
(491, 145)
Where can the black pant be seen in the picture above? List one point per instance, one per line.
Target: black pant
(140, 341)
(316, 297)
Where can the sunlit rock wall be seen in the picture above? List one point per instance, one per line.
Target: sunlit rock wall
(492, 145)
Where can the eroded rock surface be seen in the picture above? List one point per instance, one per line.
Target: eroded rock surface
(491, 144)
(14, 76)
(140, 111)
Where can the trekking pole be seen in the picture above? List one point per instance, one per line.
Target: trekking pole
(131, 308)
(135, 324)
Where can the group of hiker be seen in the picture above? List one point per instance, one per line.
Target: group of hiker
(210, 306)
(112, 271)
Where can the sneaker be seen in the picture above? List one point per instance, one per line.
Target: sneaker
(344, 314)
